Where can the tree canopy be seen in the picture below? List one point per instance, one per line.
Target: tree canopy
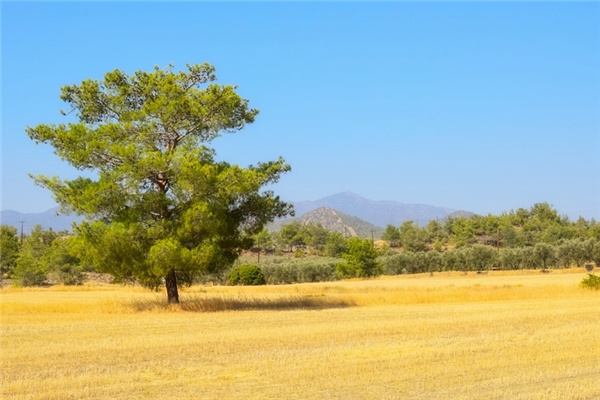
(161, 209)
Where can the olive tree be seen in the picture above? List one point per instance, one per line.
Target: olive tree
(161, 209)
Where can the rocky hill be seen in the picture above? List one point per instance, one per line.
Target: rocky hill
(334, 220)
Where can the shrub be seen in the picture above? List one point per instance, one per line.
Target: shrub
(247, 274)
(308, 269)
(592, 282)
(29, 271)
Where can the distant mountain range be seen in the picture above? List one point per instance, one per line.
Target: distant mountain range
(48, 219)
(379, 213)
(343, 212)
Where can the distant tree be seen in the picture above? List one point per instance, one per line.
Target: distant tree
(435, 234)
(434, 261)
(9, 249)
(391, 235)
(164, 209)
(510, 258)
(572, 252)
(482, 257)
(315, 236)
(412, 237)
(462, 232)
(335, 245)
(291, 235)
(263, 242)
(592, 248)
(31, 270)
(62, 263)
(544, 255)
(360, 260)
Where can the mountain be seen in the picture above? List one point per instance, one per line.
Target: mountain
(355, 211)
(379, 213)
(334, 221)
(48, 219)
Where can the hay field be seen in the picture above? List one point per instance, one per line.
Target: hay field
(521, 335)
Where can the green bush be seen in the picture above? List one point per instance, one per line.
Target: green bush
(247, 274)
(29, 271)
(360, 260)
(299, 270)
(592, 282)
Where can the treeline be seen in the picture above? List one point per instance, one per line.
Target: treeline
(44, 256)
(515, 229)
(534, 238)
(526, 238)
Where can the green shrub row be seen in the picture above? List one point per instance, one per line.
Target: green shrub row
(481, 257)
(281, 270)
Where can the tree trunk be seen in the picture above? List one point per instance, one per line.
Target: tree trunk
(171, 283)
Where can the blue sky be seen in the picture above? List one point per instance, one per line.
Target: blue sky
(480, 106)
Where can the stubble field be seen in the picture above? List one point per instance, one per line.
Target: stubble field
(521, 335)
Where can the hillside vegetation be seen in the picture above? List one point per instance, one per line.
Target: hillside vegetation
(308, 251)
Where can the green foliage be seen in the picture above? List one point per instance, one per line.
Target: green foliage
(247, 274)
(164, 209)
(9, 249)
(335, 245)
(391, 235)
(29, 271)
(263, 241)
(31, 268)
(481, 257)
(544, 256)
(360, 260)
(511, 259)
(279, 270)
(62, 263)
(591, 282)
(412, 237)
(291, 235)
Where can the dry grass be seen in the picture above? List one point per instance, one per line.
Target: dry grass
(522, 335)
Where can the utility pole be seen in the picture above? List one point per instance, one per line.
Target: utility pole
(22, 222)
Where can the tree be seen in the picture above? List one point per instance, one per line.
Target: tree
(315, 236)
(544, 255)
(9, 248)
(482, 257)
(412, 237)
(510, 258)
(360, 260)
(291, 235)
(61, 263)
(335, 245)
(263, 242)
(391, 235)
(30, 267)
(162, 209)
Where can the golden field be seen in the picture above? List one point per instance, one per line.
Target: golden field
(519, 335)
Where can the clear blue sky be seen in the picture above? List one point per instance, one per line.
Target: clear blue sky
(480, 106)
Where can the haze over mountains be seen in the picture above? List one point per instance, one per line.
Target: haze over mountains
(379, 213)
(338, 210)
(48, 219)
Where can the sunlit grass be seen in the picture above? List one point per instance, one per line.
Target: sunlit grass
(521, 335)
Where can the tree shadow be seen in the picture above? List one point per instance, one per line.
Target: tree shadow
(199, 303)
